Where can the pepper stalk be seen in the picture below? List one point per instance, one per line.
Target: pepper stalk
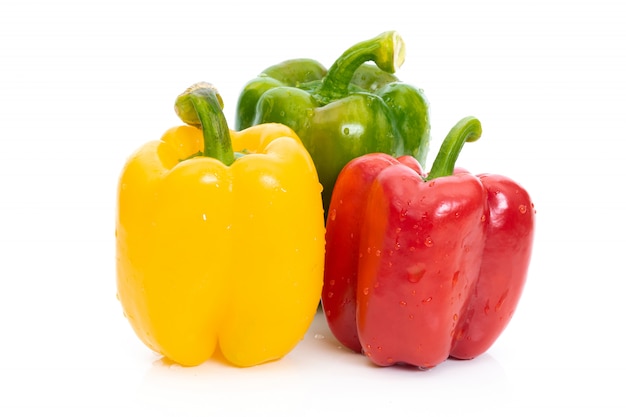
(467, 129)
(201, 106)
(387, 50)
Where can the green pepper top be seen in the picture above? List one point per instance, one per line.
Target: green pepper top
(349, 110)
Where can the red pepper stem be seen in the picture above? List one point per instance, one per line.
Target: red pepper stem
(201, 106)
(468, 129)
(387, 50)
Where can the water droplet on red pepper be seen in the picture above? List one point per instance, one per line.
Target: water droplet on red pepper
(455, 278)
(333, 214)
(501, 300)
(428, 242)
(523, 208)
(416, 273)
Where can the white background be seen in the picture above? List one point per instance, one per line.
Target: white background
(84, 83)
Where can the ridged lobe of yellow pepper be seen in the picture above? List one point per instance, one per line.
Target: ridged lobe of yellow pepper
(211, 255)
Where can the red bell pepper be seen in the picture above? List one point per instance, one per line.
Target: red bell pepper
(420, 267)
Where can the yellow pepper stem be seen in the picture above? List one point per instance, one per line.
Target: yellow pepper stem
(201, 106)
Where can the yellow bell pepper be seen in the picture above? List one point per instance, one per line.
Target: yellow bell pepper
(219, 252)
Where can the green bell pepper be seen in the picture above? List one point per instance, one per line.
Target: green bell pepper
(349, 110)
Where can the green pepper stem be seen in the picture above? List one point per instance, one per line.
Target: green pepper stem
(201, 106)
(468, 129)
(387, 50)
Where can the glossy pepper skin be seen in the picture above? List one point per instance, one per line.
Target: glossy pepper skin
(219, 252)
(347, 111)
(421, 267)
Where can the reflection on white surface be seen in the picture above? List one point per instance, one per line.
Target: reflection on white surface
(319, 375)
